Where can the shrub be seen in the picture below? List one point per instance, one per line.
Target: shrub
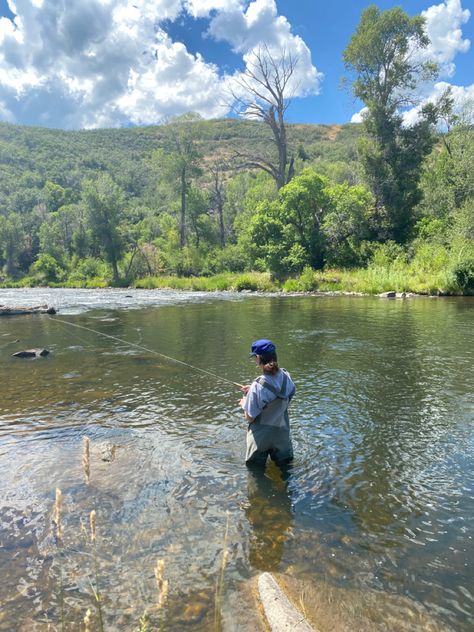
(46, 269)
(306, 282)
(387, 255)
(228, 259)
(463, 274)
(89, 269)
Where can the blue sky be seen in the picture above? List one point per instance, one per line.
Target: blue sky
(103, 63)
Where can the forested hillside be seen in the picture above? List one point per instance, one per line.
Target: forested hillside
(384, 204)
(48, 180)
(101, 206)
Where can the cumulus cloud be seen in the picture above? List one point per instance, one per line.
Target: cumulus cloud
(247, 30)
(358, 117)
(110, 62)
(177, 82)
(463, 98)
(443, 26)
(68, 64)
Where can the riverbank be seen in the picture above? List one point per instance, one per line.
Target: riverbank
(362, 281)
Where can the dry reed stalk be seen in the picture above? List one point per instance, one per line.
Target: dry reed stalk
(162, 584)
(93, 525)
(88, 621)
(92, 520)
(83, 529)
(220, 580)
(86, 459)
(58, 531)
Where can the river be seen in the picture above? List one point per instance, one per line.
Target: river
(375, 516)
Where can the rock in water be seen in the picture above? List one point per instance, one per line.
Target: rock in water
(31, 353)
(19, 311)
(107, 451)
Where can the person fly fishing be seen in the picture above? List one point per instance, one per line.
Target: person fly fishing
(265, 405)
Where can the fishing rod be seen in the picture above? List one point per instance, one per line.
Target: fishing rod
(162, 355)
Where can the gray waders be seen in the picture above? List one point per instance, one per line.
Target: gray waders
(269, 433)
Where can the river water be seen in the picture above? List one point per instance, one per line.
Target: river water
(373, 523)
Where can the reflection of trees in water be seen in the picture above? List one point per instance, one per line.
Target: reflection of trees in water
(269, 514)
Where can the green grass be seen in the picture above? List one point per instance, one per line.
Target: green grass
(374, 280)
(256, 281)
(371, 280)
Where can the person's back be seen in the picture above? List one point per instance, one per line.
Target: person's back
(266, 408)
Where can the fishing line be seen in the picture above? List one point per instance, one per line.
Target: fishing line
(162, 355)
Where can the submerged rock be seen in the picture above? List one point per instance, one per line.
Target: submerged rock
(31, 353)
(107, 451)
(388, 295)
(193, 613)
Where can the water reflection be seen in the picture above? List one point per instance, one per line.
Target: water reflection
(269, 514)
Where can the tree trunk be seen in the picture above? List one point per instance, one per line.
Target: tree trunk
(182, 222)
(220, 213)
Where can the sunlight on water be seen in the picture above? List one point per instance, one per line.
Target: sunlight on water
(372, 522)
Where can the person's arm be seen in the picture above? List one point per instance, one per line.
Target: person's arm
(247, 417)
(251, 402)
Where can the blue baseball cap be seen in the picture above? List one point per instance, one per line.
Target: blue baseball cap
(259, 347)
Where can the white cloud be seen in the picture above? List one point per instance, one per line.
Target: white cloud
(358, 117)
(178, 82)
(109, 62)
(463, 98)
(443, 26)
(5, 114)
(260, 24)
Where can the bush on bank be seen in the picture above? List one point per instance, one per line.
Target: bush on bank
(428, 268)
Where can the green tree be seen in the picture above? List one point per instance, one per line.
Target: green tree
(305, 202)
(386, 55)
(347, 224)
(448, 176)
(105, 204)
(285, 234)
(200, 221)
(179, 161)
(56, 196)
(12, 236)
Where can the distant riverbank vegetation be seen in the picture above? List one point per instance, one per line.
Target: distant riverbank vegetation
(254, 204)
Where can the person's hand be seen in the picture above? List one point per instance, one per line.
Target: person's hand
(245, 388)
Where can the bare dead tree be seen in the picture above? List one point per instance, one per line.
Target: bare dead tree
(265, 85)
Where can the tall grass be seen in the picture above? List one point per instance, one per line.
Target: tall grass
(255, 281)
(374, 280)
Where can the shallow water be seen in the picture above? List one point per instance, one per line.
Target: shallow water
(376, 511)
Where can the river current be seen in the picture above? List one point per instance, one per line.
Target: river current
(371, 528)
